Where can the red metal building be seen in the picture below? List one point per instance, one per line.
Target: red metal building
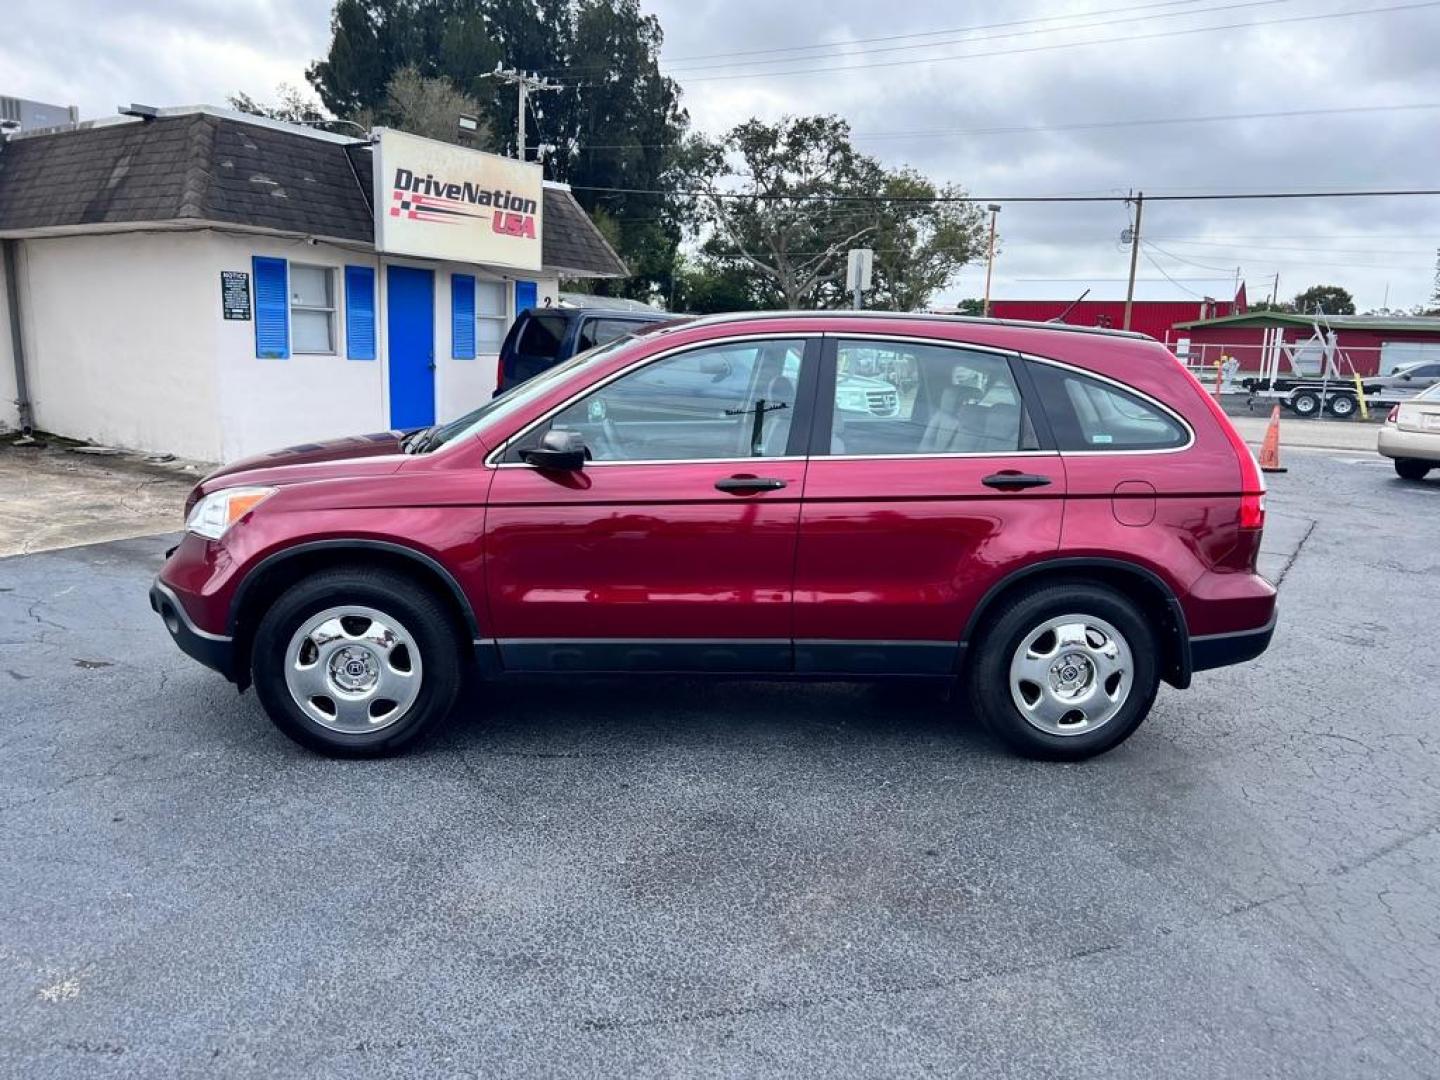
(1153, 317)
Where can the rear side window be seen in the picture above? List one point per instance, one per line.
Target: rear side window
(1091, 415)
(542, 337)
(603, 331)
(902, 398)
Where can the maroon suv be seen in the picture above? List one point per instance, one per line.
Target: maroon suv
(1059, 517)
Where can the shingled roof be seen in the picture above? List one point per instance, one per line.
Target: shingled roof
(202, 168)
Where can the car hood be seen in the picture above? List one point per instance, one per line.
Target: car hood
(312, 461)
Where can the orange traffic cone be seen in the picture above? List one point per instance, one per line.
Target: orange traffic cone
(1270, 448)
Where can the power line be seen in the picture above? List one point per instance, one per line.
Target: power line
(1038, 129)
(987, 37)
(938, 199)
(927, 33)
(1127, 40)
(697, 63)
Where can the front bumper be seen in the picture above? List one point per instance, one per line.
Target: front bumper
(1222, 650)
(215, 651)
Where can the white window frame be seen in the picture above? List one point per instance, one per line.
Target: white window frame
(503, 318)
(330, 312)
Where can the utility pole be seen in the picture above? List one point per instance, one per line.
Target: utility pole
(994, 209)
(523, 85)
(1275, 290)
(1134, 256)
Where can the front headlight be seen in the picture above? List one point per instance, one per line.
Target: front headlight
(217, 511)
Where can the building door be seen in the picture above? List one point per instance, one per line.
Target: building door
(410, 313)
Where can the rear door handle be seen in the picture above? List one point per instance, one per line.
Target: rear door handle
(1011, 478)
(744, 484)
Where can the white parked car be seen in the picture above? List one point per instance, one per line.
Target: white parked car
(1411, 435)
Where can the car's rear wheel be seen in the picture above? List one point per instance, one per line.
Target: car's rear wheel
(1064, 671)
(356, 662)
(1412, 469)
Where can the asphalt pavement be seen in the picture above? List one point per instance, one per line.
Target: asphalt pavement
(679, 878)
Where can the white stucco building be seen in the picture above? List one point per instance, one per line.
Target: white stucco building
(209, 284)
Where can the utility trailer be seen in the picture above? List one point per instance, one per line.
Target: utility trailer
(1314, 383)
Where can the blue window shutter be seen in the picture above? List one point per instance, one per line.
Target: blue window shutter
(527, 295)
(272, 307)
(462, 316)
(360, 312)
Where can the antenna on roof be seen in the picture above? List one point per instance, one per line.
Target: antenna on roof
(1061, 317)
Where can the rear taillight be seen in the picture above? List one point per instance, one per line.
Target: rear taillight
(1252, 511)
(1244, 554)
(1393, 415)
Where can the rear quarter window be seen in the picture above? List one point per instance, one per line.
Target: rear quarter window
(542, 336)
(1093, 415)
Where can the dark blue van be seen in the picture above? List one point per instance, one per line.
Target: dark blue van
(542, 337)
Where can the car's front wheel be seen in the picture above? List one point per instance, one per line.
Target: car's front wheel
(356, 662)
(1065, 671)
(1412, 468)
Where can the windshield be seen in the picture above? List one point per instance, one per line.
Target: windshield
(1432, 394)
(516, 397)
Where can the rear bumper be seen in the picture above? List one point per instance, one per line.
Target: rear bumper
(1222, 650)
(215, 651)
(1421, 445)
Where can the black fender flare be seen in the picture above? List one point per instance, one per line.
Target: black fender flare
(1179, 669)
(434, 566)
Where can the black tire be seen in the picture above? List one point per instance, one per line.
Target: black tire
(436, 640)
(1306, 404)
(1412, 468)
(1343, 407)
(988, 676)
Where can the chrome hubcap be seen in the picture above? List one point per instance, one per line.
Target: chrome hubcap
(353, 669)
(1071, 674)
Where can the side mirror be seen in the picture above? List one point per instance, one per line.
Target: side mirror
(562, 451)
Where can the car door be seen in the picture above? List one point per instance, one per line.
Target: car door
(928, 483)
(674, 547)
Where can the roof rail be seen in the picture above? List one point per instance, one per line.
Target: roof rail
(918, 316)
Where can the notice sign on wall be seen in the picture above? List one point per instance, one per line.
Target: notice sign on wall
(235, 294)
(447, 202)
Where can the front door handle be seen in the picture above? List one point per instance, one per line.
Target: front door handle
(1013, 479)
(742, 485)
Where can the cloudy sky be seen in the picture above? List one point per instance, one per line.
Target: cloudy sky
(959, 90)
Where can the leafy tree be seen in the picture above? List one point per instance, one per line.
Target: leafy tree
(289, 105)
(428, 107)
(921, 244)
(705, 286)
(1284, 306)
(812, 197)
(616, 123)
(970, 306)
(1325, 299)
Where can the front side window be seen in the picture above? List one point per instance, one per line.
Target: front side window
(491, 315)
(733, 400)
(899, 398)
(1092, 415)
(312, 308)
